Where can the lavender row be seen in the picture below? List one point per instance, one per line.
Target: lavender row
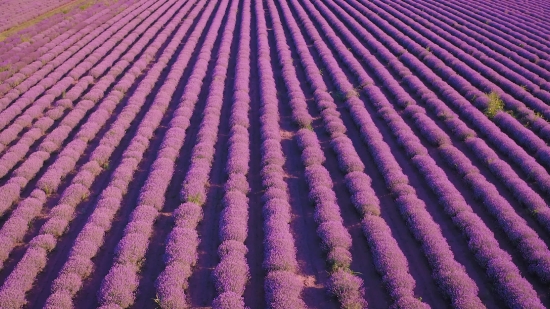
(532, 248)
(61, 49)
(12, 293)
(51, 143)
(60, 167)
(515, 14)
(281, 284)
(232, 271)
(75, 59)
(531, 51)
(456, 285)
(10, 134)
(335, 239)
(132, 248)
(517, 69)
(38, 31)
(505, 144)
(514, 289)
(23, 54)
(389, 260)
(183, 240)
(45, 29)
(36, 60)
(73, 69)
(529, 12)
(530, 43)
(55, 139)
(91, 238)
(503, 171)
(467, 63)
(32, 38)
(510, 24)
(57, 89)
(17, 12)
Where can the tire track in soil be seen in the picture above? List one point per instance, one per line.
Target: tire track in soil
(311, 259)
(254, 294)
(201, 284)
(426, 287)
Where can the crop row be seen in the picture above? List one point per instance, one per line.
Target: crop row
(68, 59)
(534, 250)
(449, 196)
(156, 142)
(92, 236)
(54, 139)
(63, 212)
(232, 271)
(44, 36)
(16, 12)
(12, 231)
(281, 284)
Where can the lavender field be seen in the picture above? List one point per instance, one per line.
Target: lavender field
(279, 154)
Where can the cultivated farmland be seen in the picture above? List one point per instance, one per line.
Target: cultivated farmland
(275, 154)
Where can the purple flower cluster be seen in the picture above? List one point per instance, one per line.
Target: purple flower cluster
(282, 285)
(520, 292)
(49, 81)
(390, 260)
(91, 237)
(530, 245)
(182, 242)
(132, 247)
(65, 162)
(232, 272)
(335, 239)
(458, 286)
(523, 136)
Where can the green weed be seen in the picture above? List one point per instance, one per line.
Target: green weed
(495, 104)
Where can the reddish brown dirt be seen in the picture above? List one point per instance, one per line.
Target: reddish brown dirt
(254, 294)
